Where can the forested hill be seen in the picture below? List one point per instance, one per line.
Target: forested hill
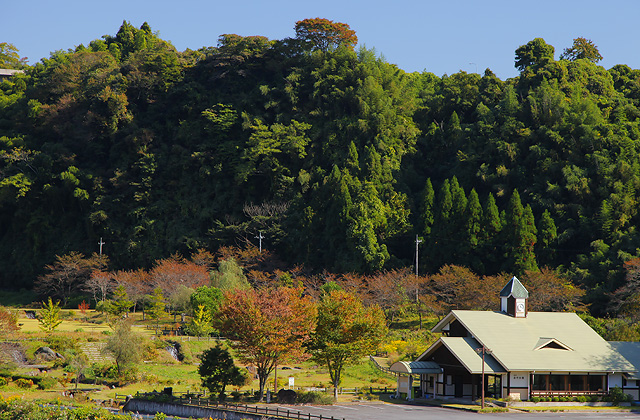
(337, 157)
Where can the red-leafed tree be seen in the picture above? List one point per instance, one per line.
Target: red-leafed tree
(324, 34)
(267, 326)
(135, 283)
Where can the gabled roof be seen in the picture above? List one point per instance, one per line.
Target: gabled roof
(543, 341)
(514, 288)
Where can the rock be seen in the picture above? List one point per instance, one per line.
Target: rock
(47, 354)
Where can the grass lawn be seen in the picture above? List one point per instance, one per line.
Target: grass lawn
(161, 371)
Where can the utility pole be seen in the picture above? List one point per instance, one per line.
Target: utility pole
(417, 243)
(101, 243)
(484, 351)
(418, 282)
(260, 237)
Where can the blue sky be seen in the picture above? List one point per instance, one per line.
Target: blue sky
(439, 37)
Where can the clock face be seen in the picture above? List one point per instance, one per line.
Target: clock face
(520, 307)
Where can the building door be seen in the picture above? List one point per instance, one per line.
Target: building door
(459, 387)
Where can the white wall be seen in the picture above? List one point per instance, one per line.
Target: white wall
(615, 379)
(519, 379)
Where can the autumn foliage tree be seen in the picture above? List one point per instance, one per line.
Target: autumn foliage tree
(549, 291)
(8, 321)
(68, 274)
(267, 326)
(345, 332)
(324, 34)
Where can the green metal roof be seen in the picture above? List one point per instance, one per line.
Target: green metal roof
(514, 288)
(521, 344)
(631, 351)
(415, 367)
(468, 352)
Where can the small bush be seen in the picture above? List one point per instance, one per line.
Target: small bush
(314, 397)
(535, 399)
(3, 381)
(24, 383)
(61, 343)
(47, 383)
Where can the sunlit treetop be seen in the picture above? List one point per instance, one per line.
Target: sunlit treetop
(324, 34)
(582, 48)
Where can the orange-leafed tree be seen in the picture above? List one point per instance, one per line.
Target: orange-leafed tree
(172, 272)
(325, 34)
(391, 290)
(267, 326)
(345, 332)
(549, 291)
(8, 321)
(626, 299)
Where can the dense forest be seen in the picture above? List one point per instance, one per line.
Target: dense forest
(339, 160)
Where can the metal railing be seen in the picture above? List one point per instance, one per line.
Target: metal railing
(567, 393)
(266, 411)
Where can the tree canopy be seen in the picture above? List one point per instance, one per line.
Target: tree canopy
(332, 156)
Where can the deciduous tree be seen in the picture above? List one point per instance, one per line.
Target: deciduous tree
(345, 332)
(8, 321)
(324, 34)
(267, 326)
(124, 345)
(49, 316)
(582, 48)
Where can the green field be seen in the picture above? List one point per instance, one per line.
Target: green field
(158, 370)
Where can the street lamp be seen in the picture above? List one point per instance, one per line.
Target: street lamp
(484, 351)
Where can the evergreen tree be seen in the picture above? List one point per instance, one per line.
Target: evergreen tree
(440, 243)
(520, 235)
(473, 219)
(426, 216)
(491, 245)
(547, 234)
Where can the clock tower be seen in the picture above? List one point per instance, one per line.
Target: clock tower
(513, 299)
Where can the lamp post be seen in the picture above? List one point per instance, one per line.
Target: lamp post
(484, 351)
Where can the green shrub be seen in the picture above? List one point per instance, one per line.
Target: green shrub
(24, 383)
(312, 397)
(47, 383)
(617, 395)
(556, 399)
(61, 343)
(535, 399)
(3, 381)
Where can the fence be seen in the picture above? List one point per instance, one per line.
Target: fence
(263, 411)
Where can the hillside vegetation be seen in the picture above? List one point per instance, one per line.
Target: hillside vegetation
(336, 157)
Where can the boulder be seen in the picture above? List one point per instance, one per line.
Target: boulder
(46, 353)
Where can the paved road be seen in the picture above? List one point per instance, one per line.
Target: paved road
(377, 411)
